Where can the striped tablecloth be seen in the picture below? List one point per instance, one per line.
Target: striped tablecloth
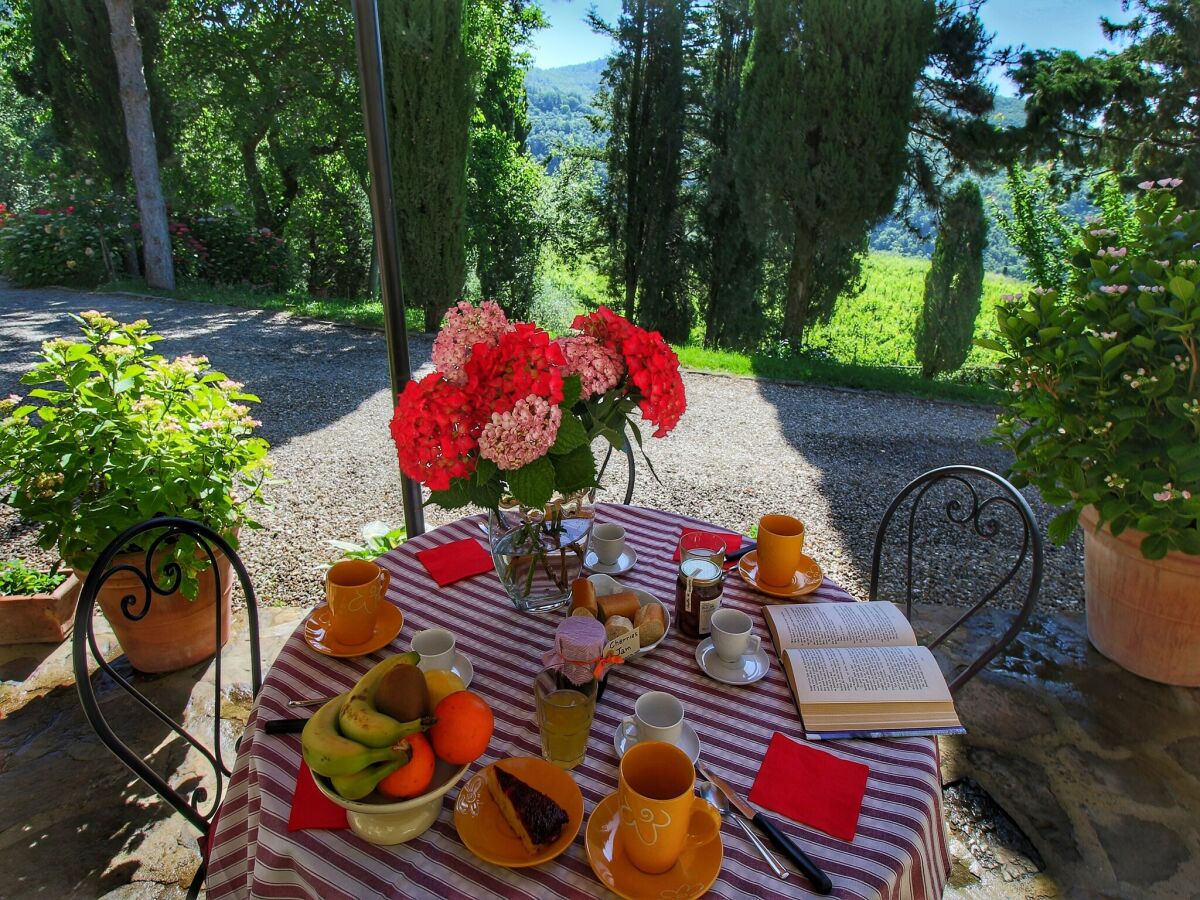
(899, 851)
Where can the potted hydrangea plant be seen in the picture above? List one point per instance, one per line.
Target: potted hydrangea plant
(113, 434)
(1104, 418)
(507, 419)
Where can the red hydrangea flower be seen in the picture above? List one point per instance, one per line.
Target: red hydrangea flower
(653, 366)
(436, 432)
(524, 361)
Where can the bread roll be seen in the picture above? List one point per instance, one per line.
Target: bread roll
(583, 596)
(651, 623)
(615, 626)
(624, 604)
(582, 611)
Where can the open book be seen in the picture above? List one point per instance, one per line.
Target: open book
(856, 671)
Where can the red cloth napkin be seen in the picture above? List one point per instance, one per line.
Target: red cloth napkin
(311, 808)
(731, 541)
(448, 563)
(812, 786)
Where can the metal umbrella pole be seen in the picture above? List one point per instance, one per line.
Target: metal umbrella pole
(383, 215)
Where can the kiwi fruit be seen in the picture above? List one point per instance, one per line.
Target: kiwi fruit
(402, 694)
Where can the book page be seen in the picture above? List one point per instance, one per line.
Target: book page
(810, 625)
(866, 675)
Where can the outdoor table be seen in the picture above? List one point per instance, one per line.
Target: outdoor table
(899, 850)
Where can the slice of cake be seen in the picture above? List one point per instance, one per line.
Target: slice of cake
(534, 818)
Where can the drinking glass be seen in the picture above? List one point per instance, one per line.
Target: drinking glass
(564, 715)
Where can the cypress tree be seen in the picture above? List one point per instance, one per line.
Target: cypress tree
(728, 257)
(504, 227)
(429, 105)
(644, 106)
(825, 109)
(953, 284)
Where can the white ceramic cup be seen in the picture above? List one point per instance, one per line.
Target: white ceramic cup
(657, 716)
(731, 634)
(436, 646)
(608, 540)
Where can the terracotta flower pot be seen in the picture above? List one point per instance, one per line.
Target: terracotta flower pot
(176, 632)
(1142, 614)
(39, 618)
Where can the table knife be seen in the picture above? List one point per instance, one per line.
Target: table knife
(820, 881)
(741, 551)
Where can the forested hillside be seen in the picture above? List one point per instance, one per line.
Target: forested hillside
(560, 101)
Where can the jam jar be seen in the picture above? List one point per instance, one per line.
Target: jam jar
(698, 589)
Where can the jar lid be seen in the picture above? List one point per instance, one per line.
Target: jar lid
(579, 644)
(701, 570)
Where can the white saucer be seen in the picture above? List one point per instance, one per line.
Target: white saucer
(624, 737)
(626, 561)
(747, 670)
(461, 667)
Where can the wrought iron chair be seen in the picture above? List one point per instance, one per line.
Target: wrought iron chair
(977, 504)
(148, 537)
(631, 472)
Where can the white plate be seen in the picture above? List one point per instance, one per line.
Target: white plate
(748, 669)
(626, 561)
(461, 667)
(605, 585)
(625, 736)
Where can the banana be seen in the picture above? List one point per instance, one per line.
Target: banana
(359, 784)
(360, 721)
(328, 753)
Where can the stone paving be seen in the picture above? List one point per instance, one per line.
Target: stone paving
(1075, 779)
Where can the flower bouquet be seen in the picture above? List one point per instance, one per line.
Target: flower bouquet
(507, 420)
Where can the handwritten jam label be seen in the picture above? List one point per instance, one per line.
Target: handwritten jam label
(625, 645)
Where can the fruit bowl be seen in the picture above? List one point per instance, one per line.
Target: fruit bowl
(382, 821)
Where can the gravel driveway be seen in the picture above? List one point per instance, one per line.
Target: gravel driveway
(831, 456)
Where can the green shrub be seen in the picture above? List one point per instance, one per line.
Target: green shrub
(116, 434)
(51, 247)
(17, 579)
(1104, 408)
(228, 249)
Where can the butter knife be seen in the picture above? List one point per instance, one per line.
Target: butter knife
(820, 881)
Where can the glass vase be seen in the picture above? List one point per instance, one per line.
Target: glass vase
(539, 552)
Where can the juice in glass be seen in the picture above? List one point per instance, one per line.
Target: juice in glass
(564, 713)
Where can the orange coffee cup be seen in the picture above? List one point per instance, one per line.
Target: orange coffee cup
(660, 814)
(780, 545)
(354, 589)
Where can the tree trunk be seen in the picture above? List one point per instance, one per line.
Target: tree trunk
(795, 311)
(263, 216)
(143, 154)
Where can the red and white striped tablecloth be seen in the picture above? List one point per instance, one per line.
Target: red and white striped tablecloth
(899, 852)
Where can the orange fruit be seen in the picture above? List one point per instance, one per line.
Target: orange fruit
(463, 729)
(414, 777)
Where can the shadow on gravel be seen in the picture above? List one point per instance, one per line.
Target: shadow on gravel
(865, 447)
(307, 374)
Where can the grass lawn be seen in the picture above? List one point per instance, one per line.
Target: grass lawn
(867, 344)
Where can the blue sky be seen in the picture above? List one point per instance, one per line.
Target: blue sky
(1065, 24)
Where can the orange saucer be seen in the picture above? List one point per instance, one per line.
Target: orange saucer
(483, 829)
(319, 636)
(806, 580)
(693, 874)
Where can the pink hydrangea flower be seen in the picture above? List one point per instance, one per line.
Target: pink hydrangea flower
(599, 367)
(1146, 185)
(521, 435)
(466, 326)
